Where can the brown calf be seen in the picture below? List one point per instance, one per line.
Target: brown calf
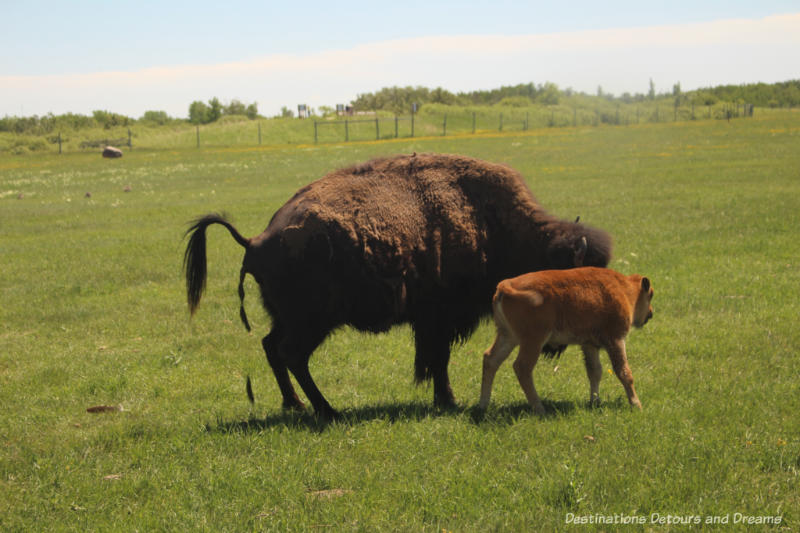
(592, 307)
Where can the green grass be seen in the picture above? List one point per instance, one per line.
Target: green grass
(92, 312)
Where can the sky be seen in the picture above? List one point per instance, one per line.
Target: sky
(133, 56)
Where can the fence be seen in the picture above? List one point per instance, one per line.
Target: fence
(347, 124)
(466, 122)
(431, 122)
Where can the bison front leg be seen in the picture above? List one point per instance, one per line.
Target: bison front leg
(619, 360)
(271, 343)
(432, 358)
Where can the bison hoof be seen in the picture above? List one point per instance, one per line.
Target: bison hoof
(329, 415)
(446, 403)
(294, 405)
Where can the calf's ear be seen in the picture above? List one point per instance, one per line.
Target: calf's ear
(645, 284)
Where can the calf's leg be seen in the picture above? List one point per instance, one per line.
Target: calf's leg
(523, 367)
(591, 359)
(492, 359)
(619, 361)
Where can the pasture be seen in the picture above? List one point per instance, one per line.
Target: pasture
(93, 312)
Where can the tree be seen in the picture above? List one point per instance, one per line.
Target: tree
(651, 94)
(235, 108)
(198, 112)
(549, 94)
(214, 109)
(108, 119)
(156, 117)
(252, 111)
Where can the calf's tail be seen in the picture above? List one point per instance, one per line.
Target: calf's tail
(194, 261)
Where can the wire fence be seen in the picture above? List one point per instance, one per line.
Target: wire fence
(431, 122)
(466, 122)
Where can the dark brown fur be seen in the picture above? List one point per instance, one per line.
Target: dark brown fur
(422, 239)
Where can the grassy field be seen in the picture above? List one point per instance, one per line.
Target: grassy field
(93, 312)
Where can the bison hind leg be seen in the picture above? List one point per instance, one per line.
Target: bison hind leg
(296, 349)
(271, 345)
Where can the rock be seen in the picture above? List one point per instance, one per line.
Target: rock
(111, 152)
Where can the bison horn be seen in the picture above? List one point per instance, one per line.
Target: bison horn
(580, 251)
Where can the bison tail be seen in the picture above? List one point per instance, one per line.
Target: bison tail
(194, 260)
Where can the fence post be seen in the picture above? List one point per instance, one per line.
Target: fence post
(259, 131)
(444, 126)
(396, 120)
(377, 130)
(130, 145)
(59, 142)
(198, 136)
(501, 122)
(527, 121)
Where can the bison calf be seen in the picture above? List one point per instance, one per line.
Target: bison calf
(592, 307)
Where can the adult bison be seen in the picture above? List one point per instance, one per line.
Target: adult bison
(422, 239)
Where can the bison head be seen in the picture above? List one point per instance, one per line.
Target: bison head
(576, 245)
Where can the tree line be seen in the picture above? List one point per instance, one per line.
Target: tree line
(199, 113)
(399, 100)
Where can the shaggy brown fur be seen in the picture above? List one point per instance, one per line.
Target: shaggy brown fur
(422, 239)
(592, 307)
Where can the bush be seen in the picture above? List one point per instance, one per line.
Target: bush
(515, 101)
(156, 117)
(21, 146)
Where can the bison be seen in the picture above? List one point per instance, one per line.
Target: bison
(592, 307)
(419, 239)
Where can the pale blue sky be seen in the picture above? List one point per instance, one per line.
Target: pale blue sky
(132, 56)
